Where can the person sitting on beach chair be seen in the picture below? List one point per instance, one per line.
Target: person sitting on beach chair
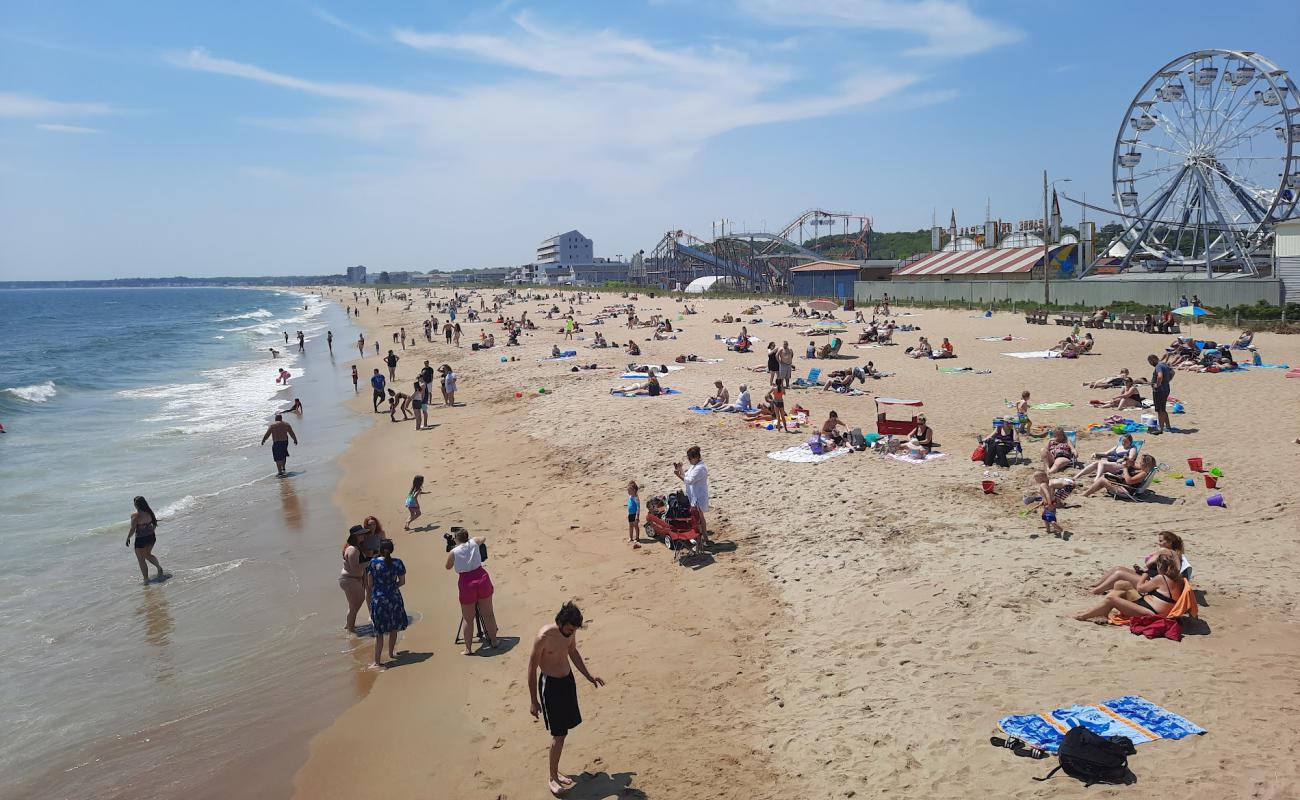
(1000, 444)
(871, 334)
(1124, 483)
(650, 388)
(1157, 596)
(1244, 340)
(841, 380)
(1120, 452)
(1058, 455)
(1167, 543)
(720, 398)
(832, 349)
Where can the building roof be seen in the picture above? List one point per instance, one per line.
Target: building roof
(974, 262)
(826, 266)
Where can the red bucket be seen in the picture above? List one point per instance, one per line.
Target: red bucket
(1211, 482)
(1195, 464)
(989, 486)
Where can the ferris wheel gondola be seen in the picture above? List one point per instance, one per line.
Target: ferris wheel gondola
(1207, 160)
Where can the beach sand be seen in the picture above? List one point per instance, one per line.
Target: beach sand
(866, 622)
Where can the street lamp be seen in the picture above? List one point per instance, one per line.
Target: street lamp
(1047, 288)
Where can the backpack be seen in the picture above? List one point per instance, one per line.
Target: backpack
(679, 507)
(856, 439)
(1093, 759)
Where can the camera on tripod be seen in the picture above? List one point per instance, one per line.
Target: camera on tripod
(450, 539)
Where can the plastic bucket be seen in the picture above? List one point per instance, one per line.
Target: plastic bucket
(1211, 482)
(988, 486)
(1215, 499)
(1195, 464)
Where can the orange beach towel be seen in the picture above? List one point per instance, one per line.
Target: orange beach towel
(1185, 607)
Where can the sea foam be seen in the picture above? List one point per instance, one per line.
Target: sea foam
(36, 393)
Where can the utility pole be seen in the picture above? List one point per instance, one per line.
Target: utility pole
(1047, 284)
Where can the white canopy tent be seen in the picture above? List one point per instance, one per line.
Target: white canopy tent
(702, 285)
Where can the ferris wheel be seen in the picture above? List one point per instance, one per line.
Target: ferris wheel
(1207, 159)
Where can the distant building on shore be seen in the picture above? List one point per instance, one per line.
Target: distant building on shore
(356, 274)
(564, 249)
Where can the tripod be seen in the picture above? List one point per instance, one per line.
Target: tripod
(479, 635)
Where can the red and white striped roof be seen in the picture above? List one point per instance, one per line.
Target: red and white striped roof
(974, 262)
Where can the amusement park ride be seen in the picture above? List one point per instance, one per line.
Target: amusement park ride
(754, 259)
(1206, 162)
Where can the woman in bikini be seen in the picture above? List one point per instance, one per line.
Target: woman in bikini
(144, 525)
(1154, 596)
(1112, 462)
(351, 578)
(1128, 397)
(1058, 455)
(1167, 542)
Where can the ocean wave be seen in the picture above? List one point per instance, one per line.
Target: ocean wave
(260, 313)
(179, 507)
(211, 570)
(36, 393)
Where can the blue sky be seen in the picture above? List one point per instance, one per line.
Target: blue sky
(244, 138)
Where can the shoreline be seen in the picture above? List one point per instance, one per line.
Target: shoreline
(870, 624)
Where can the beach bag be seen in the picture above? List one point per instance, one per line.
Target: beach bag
(679, 506)
(1093, 759)
(978, 455)
(816, 446)
(856, 439)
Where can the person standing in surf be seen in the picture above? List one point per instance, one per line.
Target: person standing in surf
(355, 390)
(555, 693)
(144, 525)
(279, 432)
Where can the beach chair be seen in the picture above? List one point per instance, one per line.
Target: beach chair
(813, 379)
(1135, 495)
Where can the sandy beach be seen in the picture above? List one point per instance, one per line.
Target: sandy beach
(864, 623)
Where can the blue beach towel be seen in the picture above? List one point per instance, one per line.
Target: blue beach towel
(698, 410)
(1270, 366)
(1132, 717)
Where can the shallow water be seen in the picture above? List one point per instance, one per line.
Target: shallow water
(110, 687)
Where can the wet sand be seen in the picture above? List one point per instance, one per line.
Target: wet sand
(866, 622)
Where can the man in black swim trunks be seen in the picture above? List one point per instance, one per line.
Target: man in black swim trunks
(279, 432)
(555, 693)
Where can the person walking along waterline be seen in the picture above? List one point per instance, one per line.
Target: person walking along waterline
(413, 500)
(352, 578)
(555, 693)
(475, 588)
(377, 384)
(279, 432)
(144, 526)
(384, 578)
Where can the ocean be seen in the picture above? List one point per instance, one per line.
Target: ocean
(190, 686)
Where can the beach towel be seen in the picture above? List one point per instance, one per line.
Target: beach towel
(565, 357)
(1270, 366)
(659, 368)
(1052, 406)
(1000, 338)
(1035, 354)
(907, 459)
(700, 410)
(967, 370)
(661, 393)
(802, 454)
(1136, 719)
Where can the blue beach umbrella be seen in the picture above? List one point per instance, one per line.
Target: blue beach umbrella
(1192, 311)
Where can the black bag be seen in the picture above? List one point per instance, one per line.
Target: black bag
(679, 507)
(857, 440)
(1093, 759)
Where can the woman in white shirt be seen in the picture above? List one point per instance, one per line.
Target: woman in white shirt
(696, 480)
(475, 587)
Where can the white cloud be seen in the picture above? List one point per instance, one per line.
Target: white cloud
(25, 106)
(56, 127)
(949, 27)
(343, 25)
(571, 107)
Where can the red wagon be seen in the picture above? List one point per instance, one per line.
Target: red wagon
(673, 522)
(894, 427)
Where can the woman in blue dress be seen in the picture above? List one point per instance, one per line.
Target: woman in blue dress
(384, 578)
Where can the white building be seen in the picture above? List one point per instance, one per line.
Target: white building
(356, 274)
(564, 249)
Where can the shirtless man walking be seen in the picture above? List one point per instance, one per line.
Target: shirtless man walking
(280, 432)
(555, 692)
(784, 363)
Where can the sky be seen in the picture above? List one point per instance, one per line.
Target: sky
(277, 138)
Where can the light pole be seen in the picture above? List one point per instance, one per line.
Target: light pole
(1047, 285)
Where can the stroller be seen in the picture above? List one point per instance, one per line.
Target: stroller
(672, 521)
